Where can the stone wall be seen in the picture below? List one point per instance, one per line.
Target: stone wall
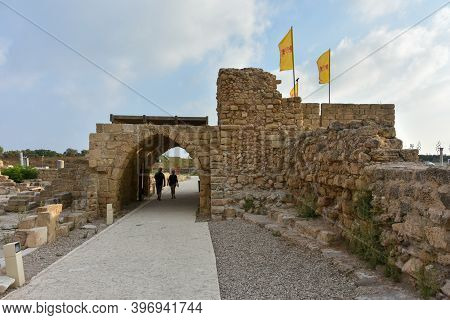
(75, 178)
(254, 124)
(344, 113)
(415, 199)
(329, 169)
(117, 150)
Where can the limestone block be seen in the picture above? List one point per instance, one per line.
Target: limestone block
(62, 230)
(5, 283)
(78, 218)
(230, 213)
(28, 222)
(412, 266)
(35, 237)
(48, 220)
(55, 209)
(437, 237)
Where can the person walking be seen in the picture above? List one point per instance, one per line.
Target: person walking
(160, 182)
(173, 183)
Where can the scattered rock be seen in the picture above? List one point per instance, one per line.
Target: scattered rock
(364, 278)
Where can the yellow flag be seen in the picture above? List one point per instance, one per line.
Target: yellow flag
(323, 63)
(286, 47)
(294, 91)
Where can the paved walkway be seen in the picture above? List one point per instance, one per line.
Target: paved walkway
(156, 252)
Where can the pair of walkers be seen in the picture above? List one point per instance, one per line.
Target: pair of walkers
(160, 181)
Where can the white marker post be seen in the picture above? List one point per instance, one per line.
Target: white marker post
(109, 214)
(14, 263)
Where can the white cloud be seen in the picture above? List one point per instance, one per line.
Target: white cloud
(372, 9)
(413, 72)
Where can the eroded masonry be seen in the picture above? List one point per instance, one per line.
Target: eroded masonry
(269, 153)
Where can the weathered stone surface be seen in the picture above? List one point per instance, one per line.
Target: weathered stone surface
(5, 283)
(34, 237)
(62, 230)
(77, 218)
(437, 237)
(27, 222)
(412, 266)
(48, 217)
(365, 278)
(446, 288)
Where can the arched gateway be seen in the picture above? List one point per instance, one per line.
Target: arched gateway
(121, 154)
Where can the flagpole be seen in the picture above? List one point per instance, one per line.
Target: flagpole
(329, 77)
(293, 64)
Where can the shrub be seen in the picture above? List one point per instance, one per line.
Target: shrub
(248, 204)
(19, 173)
(392, 271)
(365, 242)
(363, 205)
(276, 233)
(427, 283)
(307, 208)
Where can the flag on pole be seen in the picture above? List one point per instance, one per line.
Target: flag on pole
(286, 47)
(294, 91)
(323, 63)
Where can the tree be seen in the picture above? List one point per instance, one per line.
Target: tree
(1, 150)
(84, 152)
(70, 152)
(438, 146)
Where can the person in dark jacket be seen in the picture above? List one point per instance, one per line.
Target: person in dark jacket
(160, 181)
(173, 183)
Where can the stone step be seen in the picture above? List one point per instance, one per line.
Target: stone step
(317, 229)
(78, 218)
(260, 220)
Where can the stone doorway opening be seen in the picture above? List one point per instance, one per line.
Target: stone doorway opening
(159, 150)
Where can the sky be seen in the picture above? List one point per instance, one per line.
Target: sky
(171, 52)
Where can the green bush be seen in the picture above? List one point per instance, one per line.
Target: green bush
(276, 233)
(307, 207)
(248, 204)
(427, 283)
(19, 173)
(365, 242)
(363, 205)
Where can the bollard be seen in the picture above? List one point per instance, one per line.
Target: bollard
(59, 164)
(441, 156)
(14, 263)
(109, 214)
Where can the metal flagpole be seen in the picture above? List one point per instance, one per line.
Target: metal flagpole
(329, 77)
(293, 64)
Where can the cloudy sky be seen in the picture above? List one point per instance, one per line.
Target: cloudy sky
(170, 51)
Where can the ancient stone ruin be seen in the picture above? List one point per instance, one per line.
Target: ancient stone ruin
(283, 159)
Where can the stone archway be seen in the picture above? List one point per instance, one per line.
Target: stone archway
(116, 150)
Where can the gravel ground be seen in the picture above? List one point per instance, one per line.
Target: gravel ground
(254, 264)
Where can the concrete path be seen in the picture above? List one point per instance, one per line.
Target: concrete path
(156, 252)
